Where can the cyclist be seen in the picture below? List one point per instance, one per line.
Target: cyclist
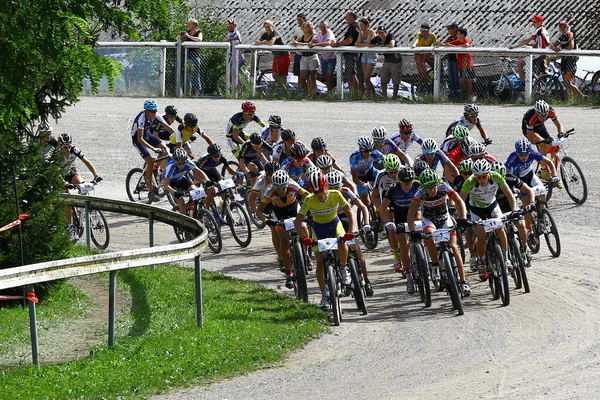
(48, 142)
(251, 156)
(143, 139)
(319, 148)
(399, 198)
(362, 169)
(405, 135)
(334, 179)
(465, 168)
(387, 146)
(272, 133)
(533, 125)
(481, 188)
(176, 179)
(208, 164)
(527, 200)
(185, 133)
(323, 205)
(384, 180)
(478, 151)
(469, 119)
(297, 163)
(432, 199)
(170, 116)
(462, 151)
(459, 134)
(235, 127)
(282, 198)
(281, 150)
(325, 163)
(433, 156)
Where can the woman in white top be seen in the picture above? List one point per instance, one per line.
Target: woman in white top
(368, 60)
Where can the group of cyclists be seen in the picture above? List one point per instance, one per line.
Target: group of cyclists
(289, 179)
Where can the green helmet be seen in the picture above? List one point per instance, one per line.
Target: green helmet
(391, 162)
(429, 178)
(466, 165)
(499, 168)
(461, 132)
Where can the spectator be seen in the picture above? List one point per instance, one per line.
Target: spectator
(193, 35)
(233, 37)
(350, 59)
(368, 60)
(541, 40)
(300, 20)
(392, 63)
(325, 37)
(465, 63)
(281, 59)
(453, 65)
(309, 63)
(424, 39)
(568, 64)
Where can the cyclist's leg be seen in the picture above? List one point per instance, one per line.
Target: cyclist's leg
(214, 176)
(428, 227)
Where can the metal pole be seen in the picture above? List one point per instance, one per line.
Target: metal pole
(163, 70)
(437, 76)
(185, 72)
(198, 284)
(33, 327)
(230, 52)
(528, 80)
(178, 70)
(14, 171)
(151, 225)
(111, 307)
(339, 70)
(88, 231)
(253, 73)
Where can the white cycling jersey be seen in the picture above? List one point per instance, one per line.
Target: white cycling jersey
(140, 122)
(404, 145)
(383, 182)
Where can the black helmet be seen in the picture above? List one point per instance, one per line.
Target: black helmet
(406, 174)
(275, 120)
(65, 139)
(298, 150)
(318, 144)
(271, 167)
(190, 119)
(256, 138)
(214, 149)
(171, 111)
(288, 134)
(420, 166)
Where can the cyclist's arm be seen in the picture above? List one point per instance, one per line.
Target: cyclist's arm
(235, 135)
(510, 196)
(405, 157)
(355, 178)
(206, 138)
(229, 169)
(167, 185)
(89, 165)
(459, 203)
(525, 42)
(260, 210)
(337, 166)
(387, 217)
(350, 185)
(559, 126)
(451, 171)
(243, 165)
(482, 131)
(547, 162)
(529, 195)
(141, 140)
(262, 157)
(298, 225)
(351, 222)
(200, 174)
(412, 213)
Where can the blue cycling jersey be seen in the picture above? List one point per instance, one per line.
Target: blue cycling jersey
(520, 169)
(364, 166)
(295, 172)
(175, 173)
(439, 157)
(388, 146)
(206, 162)
(398, 197)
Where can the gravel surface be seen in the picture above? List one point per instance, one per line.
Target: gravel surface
(544, 345)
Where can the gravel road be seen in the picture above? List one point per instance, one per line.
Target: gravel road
(544, 345)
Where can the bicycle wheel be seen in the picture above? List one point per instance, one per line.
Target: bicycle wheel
(550, 232)
(549, 87)
(515, 259)
(215, 241)
(493, 279)
(503, 89)
(595, 83)
(357, 286)
(300, 272)
(573, 180)
(179, 234)
(333, 296)
(266, 85)
(99, 229)
(521, 265)
(502, 272)
(239, 223)
(423, 283)
(533, 240)
(136, 186)
(255, 220)
(461, 243)
(370, 241)
(452, 285)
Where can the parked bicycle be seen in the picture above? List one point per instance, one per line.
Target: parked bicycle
(99, 231)
(508, 82)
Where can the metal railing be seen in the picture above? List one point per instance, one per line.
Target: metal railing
(29, 275)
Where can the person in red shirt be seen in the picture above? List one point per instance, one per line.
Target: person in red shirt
(465, 62)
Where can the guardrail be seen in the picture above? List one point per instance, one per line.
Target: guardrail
(28, 275)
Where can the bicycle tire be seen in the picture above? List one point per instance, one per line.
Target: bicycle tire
(233, 164)
(241, 225)
(215, 240)
(534, 247)
(452, 284)
(568, 181)
(493, 280)
(550, 229)
(502, 272)
(522, 266)
(300, 272)
(99, 229)
(382, 233)
(503, 89)
(179, 234)
(139, 191)
(369, 244)
(357, 289)
(461, 243)
(266, 86)
(333, 296)
(595, 83)
(255, 220)
(515, 258)
(549, 86)
(423, 284)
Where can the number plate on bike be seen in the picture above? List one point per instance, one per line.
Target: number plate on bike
(418, 227)
(328, 244)
(539, 190)
(350, 242)
(440, 235)
(197, 194)
(226, 184)
(86, 188)
(289, 224)
(492, 224)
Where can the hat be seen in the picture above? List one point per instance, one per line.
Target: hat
(425, 27)
(381, 29)
(537, 18)
(563, 22)
(452, 26)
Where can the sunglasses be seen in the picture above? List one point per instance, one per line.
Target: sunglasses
(406, 133)
(299, 159)
(472, 115)
(274, 126)
(523, 154)
(379, 140)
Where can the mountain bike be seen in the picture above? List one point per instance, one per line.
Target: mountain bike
(298, 258)
(517, 257)
(543, 224)
(549, 86)
(419, 265)
(99, 231)
(137, 186)
(357, 289)
(231, 213)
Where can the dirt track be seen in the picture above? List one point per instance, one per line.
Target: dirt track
(544, 345)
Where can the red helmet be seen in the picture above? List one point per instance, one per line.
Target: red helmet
(248, 107)
(405, 125)
(317, 182)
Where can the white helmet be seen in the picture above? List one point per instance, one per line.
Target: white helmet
(477, 149)
(429, 146)
(334, 178)
(378, 133)
(481, 167)
(365, 143)
(280, 178)
(466, 144)
(311, 170)
(471, 109)
(541, 108)
(324, 161)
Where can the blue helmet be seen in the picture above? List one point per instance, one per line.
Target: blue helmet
(150, 105)
(523, 146)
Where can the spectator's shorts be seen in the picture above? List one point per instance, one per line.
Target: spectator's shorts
(568, 67)
(466, 73)
(310, 63)
(281, 65)
(350, 60)
(391, 71)
(328, 65)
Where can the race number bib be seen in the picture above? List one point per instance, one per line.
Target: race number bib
(86, 188)
(226, 184)
(197, 194)
(440, 235)
(328, 244)
(492, 224)
(289, 224)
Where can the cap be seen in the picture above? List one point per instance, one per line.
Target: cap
(452, 26)
(537, 18)
(425, 27)
(563, 22)
(381, 29)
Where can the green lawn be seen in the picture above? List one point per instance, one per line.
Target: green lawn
(159, 346)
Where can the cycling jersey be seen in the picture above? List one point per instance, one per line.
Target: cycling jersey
(248, 153)
(437, 158)
(271, 197)
(74, 153)
(182, 135)
(481, 196)
(364, 166)
(323, 212)
(400, 200)
(238, 121)
(176, 174)
(435, 208)
(519, 168)
(463, 121)
(280, 152)
(530, 118)
(206, 162)
(141, 122)
(512, 182)
(266, 134)
(389, 146)
(296, 172)
(383, 182)
(404, 145)
(160, 129)
(261, 184)
(449, 144)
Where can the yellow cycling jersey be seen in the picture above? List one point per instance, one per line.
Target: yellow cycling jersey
(325, 212)
(182, 135)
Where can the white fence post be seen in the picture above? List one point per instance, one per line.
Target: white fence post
(253, 73)
(229, 60)
(528, 78)
(163, 69)
(437, 76)
(178, 70)
(339, 70)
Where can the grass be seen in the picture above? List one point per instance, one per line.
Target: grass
(159, 346)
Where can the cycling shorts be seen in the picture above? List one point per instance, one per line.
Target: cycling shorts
(400, 215)
(172, 147)
(448, 223)
(328, 230)
(183, 184)
(491, 211)
(254, 160)
(344, 220)
(282, 213)
(213, 174)
(539, 129)
(535, 183)
(148, 137)
(72, 173)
